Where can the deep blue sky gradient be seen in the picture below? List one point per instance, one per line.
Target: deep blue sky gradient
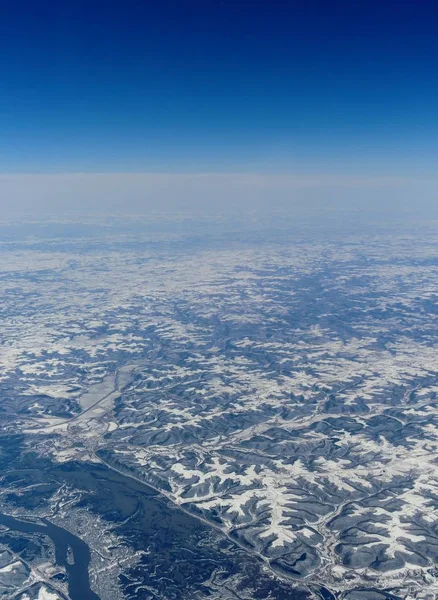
(174, 85)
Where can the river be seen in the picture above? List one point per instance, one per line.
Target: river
(77, 570)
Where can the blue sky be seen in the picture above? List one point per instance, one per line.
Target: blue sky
(199, 86)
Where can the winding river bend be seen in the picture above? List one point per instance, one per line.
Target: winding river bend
(77, 570)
